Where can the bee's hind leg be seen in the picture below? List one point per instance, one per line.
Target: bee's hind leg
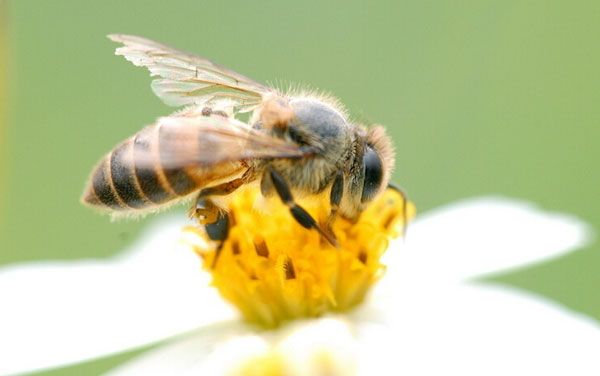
(298, 212)
(215, 220)
(218, 231)
(204, 210)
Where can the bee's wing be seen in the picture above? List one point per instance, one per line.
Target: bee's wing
(189, 79)
(204, 143)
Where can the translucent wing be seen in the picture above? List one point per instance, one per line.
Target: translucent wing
(188, 79)
(200, 142)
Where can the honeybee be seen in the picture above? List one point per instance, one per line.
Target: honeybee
(293, 145)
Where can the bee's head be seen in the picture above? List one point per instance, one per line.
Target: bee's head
(378, 163)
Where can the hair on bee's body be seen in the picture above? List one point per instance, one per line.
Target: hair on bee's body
(124, 188)
(321, 123)
(296, 144)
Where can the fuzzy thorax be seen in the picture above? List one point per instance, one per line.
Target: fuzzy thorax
(273, 270)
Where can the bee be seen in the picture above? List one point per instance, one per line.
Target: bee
(293, 145)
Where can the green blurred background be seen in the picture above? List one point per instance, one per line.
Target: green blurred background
(481, 98)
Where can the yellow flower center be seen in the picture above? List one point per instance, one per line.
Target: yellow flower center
(274, 270)
(270, 364)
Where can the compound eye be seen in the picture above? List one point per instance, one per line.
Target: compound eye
(373, 174)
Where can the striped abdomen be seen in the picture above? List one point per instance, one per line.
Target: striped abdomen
(133, 176)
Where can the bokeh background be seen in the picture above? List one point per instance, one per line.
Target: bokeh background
(481, 97)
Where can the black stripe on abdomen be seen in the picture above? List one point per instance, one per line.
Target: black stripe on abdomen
(102, 187)
(145, 166)
(179, 181)
(122, 173)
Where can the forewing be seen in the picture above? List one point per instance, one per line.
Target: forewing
(208, 141)
(189, 79)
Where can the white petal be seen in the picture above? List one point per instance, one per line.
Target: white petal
(480, 236)
(325, 346)
(208, 351)
(64, 312)
(313, 347)
(478, 330)
(455, 330)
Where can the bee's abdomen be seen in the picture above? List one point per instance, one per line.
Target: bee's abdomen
(131, 177)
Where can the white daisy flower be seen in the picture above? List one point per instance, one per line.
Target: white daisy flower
(427, 315)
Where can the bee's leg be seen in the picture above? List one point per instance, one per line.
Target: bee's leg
(298, 212)
(402, 194)
(215, 221)
(204, 210)
(335, 198)
(218, 231)
(223, 189)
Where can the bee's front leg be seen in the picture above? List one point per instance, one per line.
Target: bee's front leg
(335, 198)
(402, 194)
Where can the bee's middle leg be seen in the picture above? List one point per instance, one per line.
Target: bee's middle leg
(298, 212)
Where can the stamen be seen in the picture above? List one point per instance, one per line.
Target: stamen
(290, 273)
(261, 248)
(235, 248)
(298, 274)
(362, 256)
